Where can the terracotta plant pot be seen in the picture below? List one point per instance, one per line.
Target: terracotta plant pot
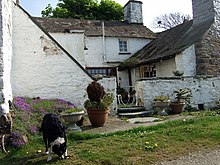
(177, 107)
(97, 117)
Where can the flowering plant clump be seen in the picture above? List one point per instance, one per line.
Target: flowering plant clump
(16, 139)
(150, 146)
(30, 111)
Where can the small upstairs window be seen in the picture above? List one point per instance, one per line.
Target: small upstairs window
(123, 46)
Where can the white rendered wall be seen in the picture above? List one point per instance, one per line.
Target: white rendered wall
(97, 52)
(40, 68)
(112, 48)
(110, 86)
(204, 90)
(187, 61)
(165, 68)
(73, 43)
(94, 55)
(5, 53)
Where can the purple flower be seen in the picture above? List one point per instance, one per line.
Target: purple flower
(33, 129)
(16, 139)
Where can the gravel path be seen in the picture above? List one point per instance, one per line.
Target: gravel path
(205, 157)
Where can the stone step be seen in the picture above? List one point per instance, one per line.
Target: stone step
(130, 109)
(136, 114)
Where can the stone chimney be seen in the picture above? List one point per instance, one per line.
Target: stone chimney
(207, 13)
(5, 54)
(133, 12)
(204, 10)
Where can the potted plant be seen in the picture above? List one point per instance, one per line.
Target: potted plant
(161, 100)
(97, 105)
(161, 104)
(181, 97)
(72, 116)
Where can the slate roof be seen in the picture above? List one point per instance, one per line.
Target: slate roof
(94, 27)
(167, 44)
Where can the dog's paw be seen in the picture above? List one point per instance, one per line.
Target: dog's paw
(66, 157)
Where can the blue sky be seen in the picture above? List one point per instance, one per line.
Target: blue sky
(151, 8)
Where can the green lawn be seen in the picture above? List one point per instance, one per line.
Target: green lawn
(143, 145)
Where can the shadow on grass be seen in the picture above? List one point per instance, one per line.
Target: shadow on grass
(33, 159)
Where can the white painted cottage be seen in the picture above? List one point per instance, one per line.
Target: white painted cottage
(57, 58)
(192, 47)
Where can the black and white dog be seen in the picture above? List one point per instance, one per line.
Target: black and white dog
(54, 136)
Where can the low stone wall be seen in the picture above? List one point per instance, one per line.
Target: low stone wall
(205, 91)
(110, 86)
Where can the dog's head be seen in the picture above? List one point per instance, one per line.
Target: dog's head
(59, 149)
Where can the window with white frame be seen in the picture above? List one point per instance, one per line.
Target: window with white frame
(148, 71)
(123, 46)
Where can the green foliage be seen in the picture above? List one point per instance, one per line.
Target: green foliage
(189, 108)
(105, 102)
(85, 9)
(161, 98)
(98, 98)
(72, 110)
(183, 94)
(178, 73)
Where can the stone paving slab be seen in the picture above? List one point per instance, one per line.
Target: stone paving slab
(142, 120)
(115, 123)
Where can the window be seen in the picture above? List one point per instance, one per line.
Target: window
(123, 46)
(93, 71)
(148, 71)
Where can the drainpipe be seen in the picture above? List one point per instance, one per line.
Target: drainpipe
(130, 80)
(103, 42)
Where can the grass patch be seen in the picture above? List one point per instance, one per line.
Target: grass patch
(173, 138)
(142, 145)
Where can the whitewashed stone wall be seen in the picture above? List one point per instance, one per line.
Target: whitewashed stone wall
(110, 86)
(40, 68)
(112, 48)
(165, 68)
(5, 53)
(97, 52)
(73, 43)
(187, 61)
(204, 90)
